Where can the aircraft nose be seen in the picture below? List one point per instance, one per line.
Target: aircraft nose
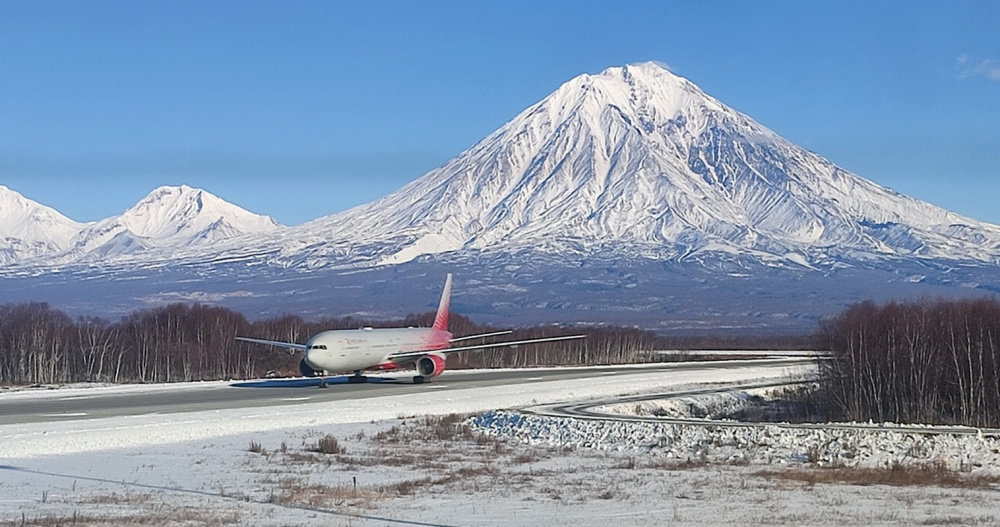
(313, 348)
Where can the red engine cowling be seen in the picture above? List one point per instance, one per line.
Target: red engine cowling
(430, 365)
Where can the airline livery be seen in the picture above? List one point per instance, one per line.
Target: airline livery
(358, 350)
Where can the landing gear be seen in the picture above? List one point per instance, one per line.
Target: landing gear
(357, 378)
(322, 382)
(420, 379)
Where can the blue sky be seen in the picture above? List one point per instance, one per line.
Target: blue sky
(302, 109)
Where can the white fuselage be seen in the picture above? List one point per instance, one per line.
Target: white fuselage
(349, 350)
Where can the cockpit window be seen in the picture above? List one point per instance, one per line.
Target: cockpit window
(318, 347)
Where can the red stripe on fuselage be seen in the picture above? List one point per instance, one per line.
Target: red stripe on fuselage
(438, 340)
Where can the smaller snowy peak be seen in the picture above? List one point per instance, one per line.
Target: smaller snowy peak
(187, 214)
(172, 217)
(29, 229)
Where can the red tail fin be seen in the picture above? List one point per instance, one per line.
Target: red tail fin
(441, 320)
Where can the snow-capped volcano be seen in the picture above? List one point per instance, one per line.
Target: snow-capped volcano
(184, 215)
(637, 157)
(29, 229)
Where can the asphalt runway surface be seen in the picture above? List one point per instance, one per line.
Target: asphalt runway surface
(79, 404)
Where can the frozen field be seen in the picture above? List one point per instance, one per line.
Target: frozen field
(408, 460)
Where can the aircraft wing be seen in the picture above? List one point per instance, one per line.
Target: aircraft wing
(287, 345)
(420, 353)
(483, 335)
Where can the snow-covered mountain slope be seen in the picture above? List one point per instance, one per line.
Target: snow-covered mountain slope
(29, 229)
(641, 160)
(169, 217)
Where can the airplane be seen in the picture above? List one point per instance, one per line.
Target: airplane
(360, 350)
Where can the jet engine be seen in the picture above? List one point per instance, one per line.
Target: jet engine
(307, 370)
(430, 365)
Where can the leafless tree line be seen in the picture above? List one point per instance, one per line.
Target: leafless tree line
(180, 342)
(929, 361)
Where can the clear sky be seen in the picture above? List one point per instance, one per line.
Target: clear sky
(300, 109)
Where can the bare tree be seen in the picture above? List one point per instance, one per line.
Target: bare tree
(928, 361)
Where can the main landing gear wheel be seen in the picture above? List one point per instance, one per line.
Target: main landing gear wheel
(419, 379)
(357, 378)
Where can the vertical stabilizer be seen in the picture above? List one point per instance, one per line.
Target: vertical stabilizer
(441, 320)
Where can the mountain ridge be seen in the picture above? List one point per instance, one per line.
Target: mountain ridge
(169, 217)
(627, 196)
(633, 157)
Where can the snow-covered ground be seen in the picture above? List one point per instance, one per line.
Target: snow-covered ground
(406, 460)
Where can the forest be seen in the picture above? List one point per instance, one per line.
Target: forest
(182, 342)
(927, 361)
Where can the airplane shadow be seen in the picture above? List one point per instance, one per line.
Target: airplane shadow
(310, 382)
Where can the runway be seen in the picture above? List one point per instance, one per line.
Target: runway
(193, 397)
